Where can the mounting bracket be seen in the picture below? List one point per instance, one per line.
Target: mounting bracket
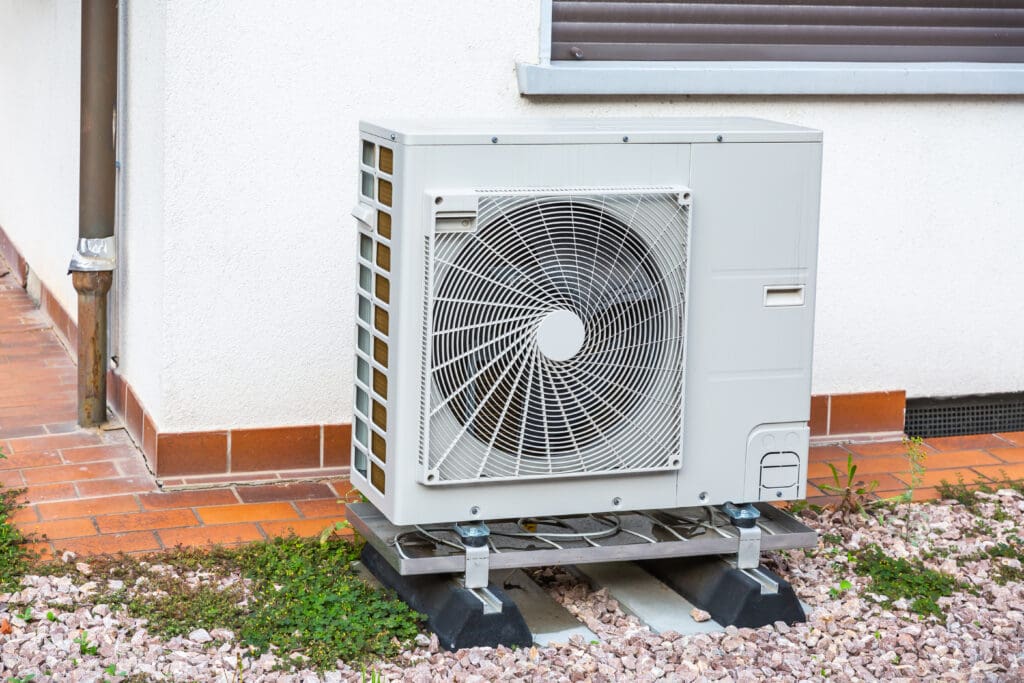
(474, 536)
(744, 518)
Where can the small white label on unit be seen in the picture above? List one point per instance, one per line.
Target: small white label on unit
(455, 221)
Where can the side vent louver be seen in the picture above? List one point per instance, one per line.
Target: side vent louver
(370, 447)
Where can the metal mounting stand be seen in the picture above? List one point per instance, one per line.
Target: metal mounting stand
(474, 539)
(645, 535)
(711, 556)
(744, 518)
(460, 616)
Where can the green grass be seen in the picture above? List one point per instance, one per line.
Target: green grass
(898, 578)
(961, 493)
(14, 555)
(1012, 549)
(302, 597)
(311, 601)
(179, 609)
(964, 493)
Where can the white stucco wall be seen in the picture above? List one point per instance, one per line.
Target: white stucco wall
(142, 274)
(242, 165)
(39, 63)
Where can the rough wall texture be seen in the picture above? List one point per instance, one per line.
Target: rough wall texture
(242, 168)
(39, 61)
(142, 273)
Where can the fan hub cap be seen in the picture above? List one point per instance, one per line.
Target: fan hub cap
(560, 335)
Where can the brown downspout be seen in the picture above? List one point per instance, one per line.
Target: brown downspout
(93, 263)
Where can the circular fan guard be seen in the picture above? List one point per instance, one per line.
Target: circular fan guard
(500, 407)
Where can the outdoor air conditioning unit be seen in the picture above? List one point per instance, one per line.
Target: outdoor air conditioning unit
(558, 317)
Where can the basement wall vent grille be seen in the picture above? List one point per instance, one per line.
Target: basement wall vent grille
(954, 416)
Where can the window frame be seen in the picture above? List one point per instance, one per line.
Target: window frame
(760, 77)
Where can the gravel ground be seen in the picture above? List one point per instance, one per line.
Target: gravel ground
(852, 634)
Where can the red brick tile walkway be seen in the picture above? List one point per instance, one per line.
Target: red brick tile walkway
(973, 459)
(89, 491)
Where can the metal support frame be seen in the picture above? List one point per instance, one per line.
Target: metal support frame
(744, 518)
(580, 539)
(475, 537)
(749, 554)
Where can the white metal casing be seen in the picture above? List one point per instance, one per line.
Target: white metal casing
(750, 301)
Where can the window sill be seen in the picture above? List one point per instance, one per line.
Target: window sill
(769, 78)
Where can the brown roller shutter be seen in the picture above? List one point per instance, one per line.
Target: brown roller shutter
(731, 30)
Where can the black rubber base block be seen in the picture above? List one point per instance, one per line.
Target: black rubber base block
(455, 614)
(730, 596)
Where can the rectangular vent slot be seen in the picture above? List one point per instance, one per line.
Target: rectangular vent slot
(377, 477)
(380, 383)
(384, 190)
(955, 416)
(784, 295)
(384, 224)
(383, 289)
(387, 160)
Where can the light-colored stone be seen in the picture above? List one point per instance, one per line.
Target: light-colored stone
(200, 635)
(851, 636)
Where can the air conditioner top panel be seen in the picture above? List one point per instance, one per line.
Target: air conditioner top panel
(550, 131)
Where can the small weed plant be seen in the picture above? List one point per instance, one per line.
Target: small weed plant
(84, 646)
(916, 455)
(897, 578)
(854, 495)
(966, 494)
(14, 555)
(836, 591)
(1004, 572)
(915, 525)
(177, 609)
(959, 492)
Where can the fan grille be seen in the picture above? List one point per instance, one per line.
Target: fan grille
(503, 405)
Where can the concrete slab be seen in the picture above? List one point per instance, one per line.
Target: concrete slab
(646, 598)
(366, 575)
(549, 622)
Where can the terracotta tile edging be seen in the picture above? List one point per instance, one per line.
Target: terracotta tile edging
(63, 324)
(866, 416)
(13, 257)
(245, 452)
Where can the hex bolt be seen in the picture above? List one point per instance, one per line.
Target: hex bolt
(475, 510)
(494, 140)
(719, 138)
(616, 501)
(392, 136)
(625, 138)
